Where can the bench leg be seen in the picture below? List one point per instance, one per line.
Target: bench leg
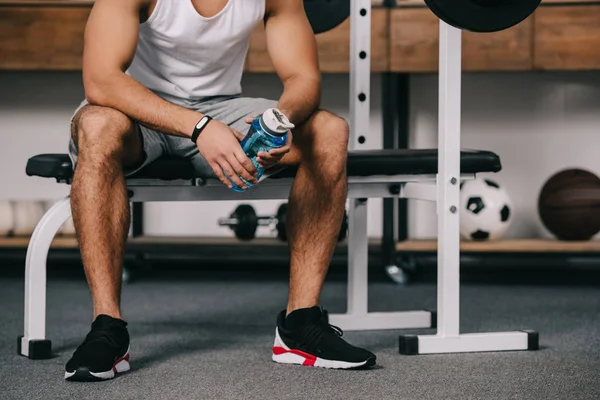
(33, 344)
(448, 338)
(358, 316)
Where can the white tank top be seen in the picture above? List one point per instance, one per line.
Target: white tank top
(183, 56)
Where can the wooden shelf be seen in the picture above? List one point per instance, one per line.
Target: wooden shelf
(567, 38)
(506, 246)
(415, 246)
(560, 35)
(46, 3)
(48, 35)
(414, 44)
(199, 240)
(70, 242)
(59, 242)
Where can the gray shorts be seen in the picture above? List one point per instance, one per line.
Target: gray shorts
(230, 110)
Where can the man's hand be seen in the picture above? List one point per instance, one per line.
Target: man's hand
(268, 160)
(220, 146)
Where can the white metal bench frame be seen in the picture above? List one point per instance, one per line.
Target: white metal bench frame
(442, 188)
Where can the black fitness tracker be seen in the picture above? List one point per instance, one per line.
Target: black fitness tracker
(200, 127)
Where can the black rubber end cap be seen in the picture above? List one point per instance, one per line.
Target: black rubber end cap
(433, 318)
(533, 340)
(38, 349)
(409, 345)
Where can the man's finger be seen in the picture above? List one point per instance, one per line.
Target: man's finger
(228, 169)
(279, 151)
(246, 162)
(241, 170)
(219, 173)
(265, 164)
(250, 118)
(266, 156)
(238, 135)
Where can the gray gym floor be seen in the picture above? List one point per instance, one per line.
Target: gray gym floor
(211, 340)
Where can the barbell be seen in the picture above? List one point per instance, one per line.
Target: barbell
(468, 15)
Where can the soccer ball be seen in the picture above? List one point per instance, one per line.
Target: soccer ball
(485, 210)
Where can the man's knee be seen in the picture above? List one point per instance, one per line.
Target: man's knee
(333, 130)
(326, 143)
(100, 130)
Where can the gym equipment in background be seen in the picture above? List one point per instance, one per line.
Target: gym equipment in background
(470, 15)
(326, 14)
(6, 218)
(485, 210)
(244, 222)
(482, 15)
(26, 214)
(569, 204)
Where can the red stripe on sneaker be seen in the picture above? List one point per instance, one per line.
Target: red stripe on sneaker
(309, 359)
(125, 357)
(309, 363)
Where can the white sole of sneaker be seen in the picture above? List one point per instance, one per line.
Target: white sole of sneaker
(284, 355)
(120, 365)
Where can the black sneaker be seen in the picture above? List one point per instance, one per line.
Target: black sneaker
(103, 353)
(306, 338)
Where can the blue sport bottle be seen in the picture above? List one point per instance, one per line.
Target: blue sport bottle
(268, 131)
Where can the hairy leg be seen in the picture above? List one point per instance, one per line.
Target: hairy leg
(316, 204)
(107, 141)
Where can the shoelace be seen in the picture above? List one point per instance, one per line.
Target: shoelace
(312, 334)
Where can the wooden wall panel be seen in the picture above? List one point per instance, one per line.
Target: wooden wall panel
(49, 38)
(567, 37)
(333, 47)
(414, 41)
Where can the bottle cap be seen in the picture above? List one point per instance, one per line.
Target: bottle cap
(275, 123)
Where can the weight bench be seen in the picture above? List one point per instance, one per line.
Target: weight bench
(433, 175)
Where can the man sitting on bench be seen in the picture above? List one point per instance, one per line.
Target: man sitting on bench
(152, 69)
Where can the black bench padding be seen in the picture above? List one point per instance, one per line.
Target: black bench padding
(360, 163)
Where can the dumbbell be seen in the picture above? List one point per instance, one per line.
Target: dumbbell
(281, 224)
(244, 222)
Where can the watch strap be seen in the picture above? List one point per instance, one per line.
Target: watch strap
(200, 127)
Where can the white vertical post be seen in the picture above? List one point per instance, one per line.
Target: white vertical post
(448, 180)
(360, 71)
(360, 84)
(358, 259)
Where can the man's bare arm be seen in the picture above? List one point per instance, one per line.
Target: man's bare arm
(293, 50)
(110, 43)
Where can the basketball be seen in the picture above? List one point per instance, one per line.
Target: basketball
(569, 204)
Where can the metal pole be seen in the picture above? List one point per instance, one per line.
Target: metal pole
(360, 80)
(448, 180)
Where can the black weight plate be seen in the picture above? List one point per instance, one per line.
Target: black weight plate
(438, 13)
(247, 222)
(281, 222)
(483, 15)
(326, 14)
